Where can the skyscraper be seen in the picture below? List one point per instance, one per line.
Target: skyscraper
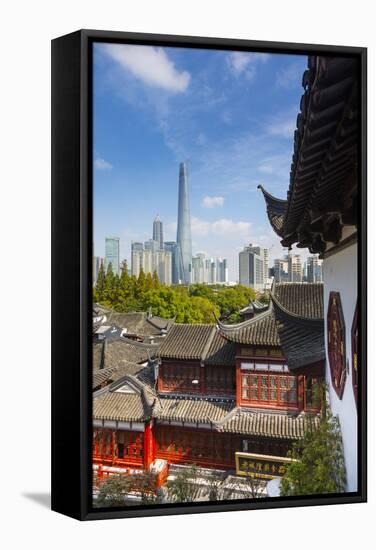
(251, 269)
(314, 269)
(264, 254)
(148, 257)
(294, 268)
(112, 254)
(176, 259)
(158, 231)
(183, 238)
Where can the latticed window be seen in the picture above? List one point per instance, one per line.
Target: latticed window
(336, 343)
(180, 378)
(220, 379)
(269, 389)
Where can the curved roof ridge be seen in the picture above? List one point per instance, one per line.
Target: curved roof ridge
(244, 324)
(271, 197)
(137, 344)
(294, 316)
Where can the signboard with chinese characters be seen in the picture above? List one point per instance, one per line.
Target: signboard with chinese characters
(261, 466)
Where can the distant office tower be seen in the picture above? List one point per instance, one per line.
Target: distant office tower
(294, 268)
(97, 262)
(152, 245)
(314, 270)
(264, 254)
(222, 270)
(183, 237)
(150, 259)
(208, 270)
(112, 254)
(251, 269)
(137, 249)
(176, 261)
(281, 268)
(158, 231)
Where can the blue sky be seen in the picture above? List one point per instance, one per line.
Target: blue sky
(230, 115)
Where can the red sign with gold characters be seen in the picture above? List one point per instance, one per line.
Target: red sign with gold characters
(261, 466)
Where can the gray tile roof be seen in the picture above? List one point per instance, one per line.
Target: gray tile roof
(118, 351)
(192, 410)
(303, 299)
(138, 323)
(220, 352)
(119, 406)
(111, 374)
(260, 330)
(280, 426)
(185, 341)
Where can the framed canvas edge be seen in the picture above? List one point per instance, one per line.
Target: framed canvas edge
(83, 463)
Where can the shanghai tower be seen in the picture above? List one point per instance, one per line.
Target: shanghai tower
(183, 237)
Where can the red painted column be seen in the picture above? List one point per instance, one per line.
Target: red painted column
(238, 383)
(148, 445)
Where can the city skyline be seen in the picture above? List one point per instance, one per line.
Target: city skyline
(144, 127)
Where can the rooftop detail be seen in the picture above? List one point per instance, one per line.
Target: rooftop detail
(322, 195)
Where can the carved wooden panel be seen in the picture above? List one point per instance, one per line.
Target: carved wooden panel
(336, 343)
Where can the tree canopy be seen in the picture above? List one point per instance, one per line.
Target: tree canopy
(194, 304)
(319, 466)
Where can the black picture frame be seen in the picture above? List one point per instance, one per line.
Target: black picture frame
(72, 273)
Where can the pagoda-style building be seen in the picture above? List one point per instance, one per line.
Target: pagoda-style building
(320, 213)
(205, 392)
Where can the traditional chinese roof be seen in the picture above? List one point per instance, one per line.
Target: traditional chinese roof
(298, 309)
(294, 321)
(192, 410)
(111, 374)
(261, 330)
(221, 351)
(281, 426)
(134, 405)
(302, 299)
(114, 353)
(322, 194)
(139, 323)
(185, 341)
(119, 406)
(97, 355)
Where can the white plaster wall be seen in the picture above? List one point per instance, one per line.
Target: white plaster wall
(340, 275)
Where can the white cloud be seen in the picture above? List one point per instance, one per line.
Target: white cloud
(149, 64)
(101, 164)
(223, 227)
(245, 62)
(211, 202)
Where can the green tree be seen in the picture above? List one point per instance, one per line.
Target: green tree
(204, 310)
(115, 489)
(156, 282)
(141, 284)
(183, 487)
(100, 285)
(264, 298)
(149, 283)
(112, 491)
(110, 288)
(320, 465)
